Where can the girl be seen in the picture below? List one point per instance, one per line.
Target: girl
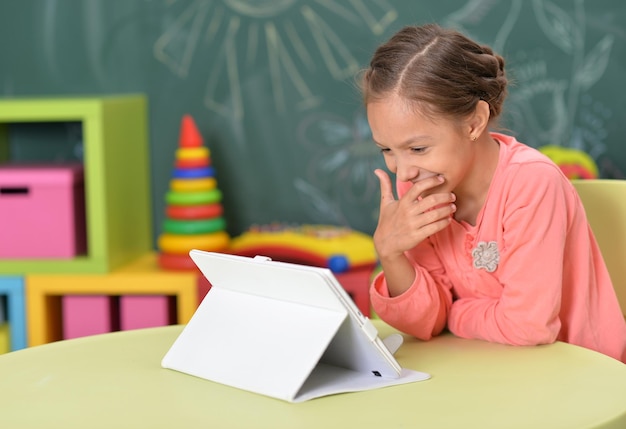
(487, 237)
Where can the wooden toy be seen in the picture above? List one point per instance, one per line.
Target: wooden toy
(194, 211)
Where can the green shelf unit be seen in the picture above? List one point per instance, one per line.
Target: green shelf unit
(116, 165)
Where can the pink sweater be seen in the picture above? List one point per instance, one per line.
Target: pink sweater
(530, 272)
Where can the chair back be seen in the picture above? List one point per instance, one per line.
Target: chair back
(605, 204)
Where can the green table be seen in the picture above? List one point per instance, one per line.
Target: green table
(115, 381)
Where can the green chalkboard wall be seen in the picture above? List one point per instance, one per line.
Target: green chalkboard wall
(271, 86)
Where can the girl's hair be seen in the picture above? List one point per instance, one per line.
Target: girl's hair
(437, 70)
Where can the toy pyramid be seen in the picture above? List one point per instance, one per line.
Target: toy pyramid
(194, 210)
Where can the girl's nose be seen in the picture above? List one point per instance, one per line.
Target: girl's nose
(407, 172)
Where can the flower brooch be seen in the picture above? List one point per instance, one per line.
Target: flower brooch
(486, 256)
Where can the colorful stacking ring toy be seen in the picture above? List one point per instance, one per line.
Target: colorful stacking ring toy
(193, 173)
(191, 198)
(204, 226)
(200, 211)
(179, 244)
(189, 185)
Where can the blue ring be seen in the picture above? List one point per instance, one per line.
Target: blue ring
(193, 173)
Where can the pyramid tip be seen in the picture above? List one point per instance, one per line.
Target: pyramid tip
(189, 134)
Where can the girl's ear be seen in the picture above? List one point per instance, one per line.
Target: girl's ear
(479, 120)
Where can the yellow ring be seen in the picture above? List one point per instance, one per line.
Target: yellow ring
(192, 152)
(180, 244)
(189, 185)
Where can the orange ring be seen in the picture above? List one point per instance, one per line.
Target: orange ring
(193, 163)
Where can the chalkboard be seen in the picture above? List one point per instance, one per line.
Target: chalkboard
(271, 85)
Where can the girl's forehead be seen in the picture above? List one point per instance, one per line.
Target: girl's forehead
(397, 113)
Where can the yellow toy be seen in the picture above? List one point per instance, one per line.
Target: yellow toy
(574, 163)
(338, 248)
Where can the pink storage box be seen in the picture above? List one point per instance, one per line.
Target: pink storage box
(146, 311)
(42, 211)
(85, 315)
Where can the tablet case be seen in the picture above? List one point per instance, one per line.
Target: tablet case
(280, 330)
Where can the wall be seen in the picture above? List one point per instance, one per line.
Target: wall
(271, 84)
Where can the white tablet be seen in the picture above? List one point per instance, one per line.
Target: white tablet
(285, 330)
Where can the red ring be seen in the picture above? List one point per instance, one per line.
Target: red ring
(170, 261)
(200, 211)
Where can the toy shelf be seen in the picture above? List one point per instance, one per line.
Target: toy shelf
(139, 278)
(116, 171)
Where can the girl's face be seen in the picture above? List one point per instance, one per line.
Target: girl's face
(416, 147)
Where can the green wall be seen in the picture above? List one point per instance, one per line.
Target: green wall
(271, 84)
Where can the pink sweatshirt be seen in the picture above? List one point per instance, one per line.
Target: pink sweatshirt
(530, 272)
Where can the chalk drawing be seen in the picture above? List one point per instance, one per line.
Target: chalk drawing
(547, 107)
(340, 174)
(276, 28)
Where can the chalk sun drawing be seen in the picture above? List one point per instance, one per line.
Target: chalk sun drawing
(273, 28)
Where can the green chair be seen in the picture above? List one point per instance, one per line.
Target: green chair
(605, 204)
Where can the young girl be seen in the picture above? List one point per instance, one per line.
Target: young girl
(487, 237)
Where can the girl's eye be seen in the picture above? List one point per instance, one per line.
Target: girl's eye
(384, 150)
(418, 149)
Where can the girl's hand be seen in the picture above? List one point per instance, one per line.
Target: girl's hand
(404, 223)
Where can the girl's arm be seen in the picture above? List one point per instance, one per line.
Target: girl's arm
(535, 227)
(408, 295)
(423, 309)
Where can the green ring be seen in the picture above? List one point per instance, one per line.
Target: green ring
(193, 198)
(189, 227)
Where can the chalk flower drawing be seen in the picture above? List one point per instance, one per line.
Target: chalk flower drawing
(343, 158)
(547, 107)
(573, 118)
